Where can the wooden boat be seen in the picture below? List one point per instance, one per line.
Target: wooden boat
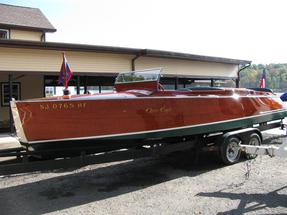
(139, 111)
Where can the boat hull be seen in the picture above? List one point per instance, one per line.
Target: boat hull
(101, 144)
(139, 118)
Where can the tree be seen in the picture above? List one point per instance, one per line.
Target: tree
(276, 76)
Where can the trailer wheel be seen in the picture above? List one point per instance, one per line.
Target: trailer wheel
(230, 151)
(254, 140)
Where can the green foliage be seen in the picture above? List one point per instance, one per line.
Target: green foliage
(276, 76)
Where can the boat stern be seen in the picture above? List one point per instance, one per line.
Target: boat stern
(17, 122)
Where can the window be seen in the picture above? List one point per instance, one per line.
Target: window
(4, 34)
(107, 89)
(201, 83)
(225, 83)
(168, 83)
(50, 91)
(169, 86)
(92, 89)
(16, 93)
(88, 84)
(58, 90)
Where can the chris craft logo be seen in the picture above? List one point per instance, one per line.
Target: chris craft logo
(63, 106)
(158, 110)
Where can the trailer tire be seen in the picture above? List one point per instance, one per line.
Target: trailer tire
(253, 140)
(230, 151)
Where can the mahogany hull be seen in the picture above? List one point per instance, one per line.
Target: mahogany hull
(138, 118)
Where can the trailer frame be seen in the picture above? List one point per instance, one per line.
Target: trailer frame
(25, 161)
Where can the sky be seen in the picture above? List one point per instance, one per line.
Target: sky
(241, 29)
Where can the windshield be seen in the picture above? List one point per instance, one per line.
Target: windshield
(139, 76)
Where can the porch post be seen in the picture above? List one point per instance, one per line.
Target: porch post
(10, 79)
(78, 85)
(176, 83)
(212, 82)
(85, 87)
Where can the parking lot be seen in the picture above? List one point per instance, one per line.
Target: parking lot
(172, 184)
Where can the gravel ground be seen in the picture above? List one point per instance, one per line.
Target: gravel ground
(166, 185)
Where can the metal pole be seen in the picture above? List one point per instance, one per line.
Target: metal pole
(237, 81)
(10, 79)
(86, 87)
(78, 85)
(176, 83)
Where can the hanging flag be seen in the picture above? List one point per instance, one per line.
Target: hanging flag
(263, 80)
(65, 73)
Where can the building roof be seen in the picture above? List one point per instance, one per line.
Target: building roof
(118, 50)
(24, 17)
(186, 56)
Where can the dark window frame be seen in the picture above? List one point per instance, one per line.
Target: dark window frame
(5, 32)
(5, 92)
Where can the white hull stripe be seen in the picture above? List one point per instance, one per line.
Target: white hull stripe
(160, 130)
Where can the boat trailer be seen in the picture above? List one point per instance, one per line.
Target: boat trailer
(27, 161)
(272, 151)
(227, 144)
